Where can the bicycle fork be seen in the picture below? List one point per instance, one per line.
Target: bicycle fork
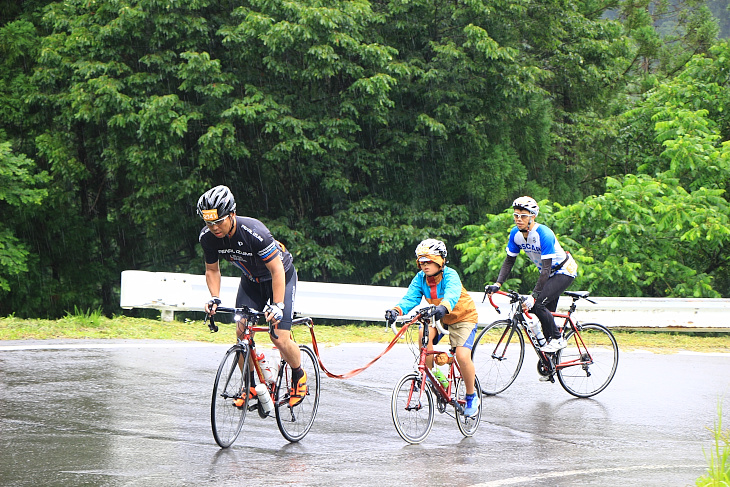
(417, 390)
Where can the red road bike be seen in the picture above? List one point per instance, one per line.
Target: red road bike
(584, 368)
(233, 382)
(418, 394)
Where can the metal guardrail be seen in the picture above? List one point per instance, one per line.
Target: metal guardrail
(171, 292)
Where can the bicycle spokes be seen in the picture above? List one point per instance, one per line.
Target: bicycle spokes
(587, 365)
(497, 354)
(412, 408)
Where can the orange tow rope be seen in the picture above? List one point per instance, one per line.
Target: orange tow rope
(354, 372)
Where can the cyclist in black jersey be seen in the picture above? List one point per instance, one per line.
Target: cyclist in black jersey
(269, 278)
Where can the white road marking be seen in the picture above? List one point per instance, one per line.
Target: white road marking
(82, 345)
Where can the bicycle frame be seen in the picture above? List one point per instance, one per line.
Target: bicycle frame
(445, 394)
(585, 355)
(294, 414)
(584, 366)
(419, 394)
(247, 340)
(519, 325)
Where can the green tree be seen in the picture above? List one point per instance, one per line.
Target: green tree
(352, 128)
(19, 194)
(663, 231)
(642, 237)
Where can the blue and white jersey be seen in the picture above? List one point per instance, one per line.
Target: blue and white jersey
(540, 244)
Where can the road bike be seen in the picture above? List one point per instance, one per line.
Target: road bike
(417, 394)
(233, 383)
(584, 368)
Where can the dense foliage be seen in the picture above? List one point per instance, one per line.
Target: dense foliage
(354, 129)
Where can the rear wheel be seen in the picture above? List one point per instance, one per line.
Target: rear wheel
(295, 422)
(497, 355)
(412, 408)
(587, 365)
(468, 425)
(231, 383)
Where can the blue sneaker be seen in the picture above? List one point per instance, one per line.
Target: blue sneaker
(472, 405)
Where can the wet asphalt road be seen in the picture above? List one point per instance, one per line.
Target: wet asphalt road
(136, 413)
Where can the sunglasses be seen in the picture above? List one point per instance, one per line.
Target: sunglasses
(422, 262)
(217, 222)
(520, 216)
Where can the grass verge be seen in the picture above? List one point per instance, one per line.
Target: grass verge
(718, 457)
(93, 325)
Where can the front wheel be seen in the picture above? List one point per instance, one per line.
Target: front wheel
(295, 421)
(468, 425)
(412, 408)
(231, 384)
(587, 365)
(497, 354)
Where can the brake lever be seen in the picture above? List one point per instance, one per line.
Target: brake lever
(392, 327)
(272, 331)
(211, 324)
(493, 305)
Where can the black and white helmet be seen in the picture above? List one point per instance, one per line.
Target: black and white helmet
(526, 203)
(216, 203)
(431, 246)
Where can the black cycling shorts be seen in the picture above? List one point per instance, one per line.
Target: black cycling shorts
(257, 295)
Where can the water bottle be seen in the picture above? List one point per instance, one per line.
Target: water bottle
(536, 328)
(264, 398)
(272, 364)
(270, 367)
(440, 377)
(265, 369)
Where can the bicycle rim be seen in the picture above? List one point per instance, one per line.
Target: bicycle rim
(412, 409)
(468, 425)
(498, 354)
(595, 354)
(231, 383)
(295, 422)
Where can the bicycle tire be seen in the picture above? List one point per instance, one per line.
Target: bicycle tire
(498, 353)
(468, 425)
(232, 382)
(596, 363)
(295, 422)
(412, 419)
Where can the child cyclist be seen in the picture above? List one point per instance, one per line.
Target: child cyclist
(441, 286)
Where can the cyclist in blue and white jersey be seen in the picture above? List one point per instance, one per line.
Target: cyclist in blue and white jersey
(557, 267)
(269, 278)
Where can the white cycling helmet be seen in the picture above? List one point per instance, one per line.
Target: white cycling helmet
(526, 203)
(431, 246)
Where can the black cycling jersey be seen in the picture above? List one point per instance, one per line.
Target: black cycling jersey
(249, 249)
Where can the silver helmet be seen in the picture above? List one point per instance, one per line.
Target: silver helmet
(216, 203)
